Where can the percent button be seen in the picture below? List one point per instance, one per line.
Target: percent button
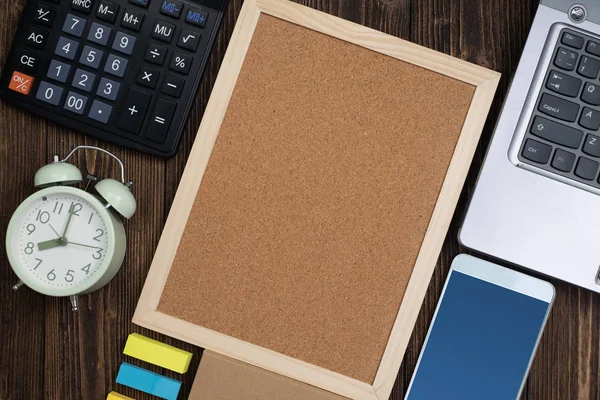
(181, 63)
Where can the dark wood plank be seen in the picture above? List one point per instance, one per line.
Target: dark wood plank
(50, 353)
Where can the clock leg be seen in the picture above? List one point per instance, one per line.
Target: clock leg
(74, 305)
(17, 285)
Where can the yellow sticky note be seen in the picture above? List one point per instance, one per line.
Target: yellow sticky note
(117, 396)
(157, 353)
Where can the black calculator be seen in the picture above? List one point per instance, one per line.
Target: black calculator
(124, 71)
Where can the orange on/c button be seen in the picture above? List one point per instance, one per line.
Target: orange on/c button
(21, 83)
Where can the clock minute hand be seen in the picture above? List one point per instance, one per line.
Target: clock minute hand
(71, 209)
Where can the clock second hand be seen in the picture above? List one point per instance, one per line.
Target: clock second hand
(84, 245)
(55, 232)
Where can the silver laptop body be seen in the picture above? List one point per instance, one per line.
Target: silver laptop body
(537, 214)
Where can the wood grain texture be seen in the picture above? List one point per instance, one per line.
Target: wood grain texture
(48, 353)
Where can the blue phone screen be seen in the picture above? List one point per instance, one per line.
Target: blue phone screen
(480, 344)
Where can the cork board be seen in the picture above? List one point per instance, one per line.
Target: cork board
(316, 198)
(223, 378)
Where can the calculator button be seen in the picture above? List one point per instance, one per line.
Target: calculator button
(91, 57)
(148, 77)
(74, 25)
(66, 48)
(171, 8)
(29, 61)
(132, 20)
(49, 93)
(84, 6)
(189, 40)
(181, 63)
(156, 54)
(21, 83)
(75, 103)
(83, 80)
(37, 37)
(163, 31)
(44, 14)
(172, 86)
(58, 71)
(124, 43)
(141, 3)
(116, 65)
(100, 111)
(107, 11)
(134, 110)
(108, 89)
(160, 120)
(196, 17)
(99, 34)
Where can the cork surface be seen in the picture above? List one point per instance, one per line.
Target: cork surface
(222, 378)
(316, 198)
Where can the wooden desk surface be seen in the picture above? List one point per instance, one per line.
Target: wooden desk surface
(48, 352)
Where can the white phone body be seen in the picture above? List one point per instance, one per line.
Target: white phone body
(484, 333)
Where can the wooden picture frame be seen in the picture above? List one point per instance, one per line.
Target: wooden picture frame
(485, 82)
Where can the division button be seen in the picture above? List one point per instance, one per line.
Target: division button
(156, 54)
(172, 86)
(536, 151)
(49, 93)
(100, 112)
(556, 133)
(21, 83)
(107, 11)
(134, 110)
(160, 120)
(37, 37)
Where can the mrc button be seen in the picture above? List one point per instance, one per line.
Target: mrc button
(197, 17)
(84, 6)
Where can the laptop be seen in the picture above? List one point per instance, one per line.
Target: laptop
(536, 203)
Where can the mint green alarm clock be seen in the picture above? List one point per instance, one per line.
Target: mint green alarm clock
(64, 241)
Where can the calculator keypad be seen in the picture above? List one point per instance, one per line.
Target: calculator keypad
(121, 70)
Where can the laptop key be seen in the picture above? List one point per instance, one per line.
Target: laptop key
(563, 160)
(571, 40)
(593, 48)
(588, 67)
(591, 94)
(556, 133)
(560, 108)
(563, 84)
(590, 119)
(566, 59)
(592, 145)
(586, 169)
(536, 151)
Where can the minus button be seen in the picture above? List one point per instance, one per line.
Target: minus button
(173, 86)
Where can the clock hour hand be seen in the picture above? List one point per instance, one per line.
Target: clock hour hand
(49, 244)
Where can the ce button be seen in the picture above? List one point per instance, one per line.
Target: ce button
(29, 61)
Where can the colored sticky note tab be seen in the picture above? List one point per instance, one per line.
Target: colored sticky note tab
(157, 353)
(117, 396)
(147, 381)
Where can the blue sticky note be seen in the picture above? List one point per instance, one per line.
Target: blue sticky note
(147, 381)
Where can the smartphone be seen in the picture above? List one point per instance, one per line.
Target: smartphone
(484, 334)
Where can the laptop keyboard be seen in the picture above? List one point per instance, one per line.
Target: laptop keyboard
(563, 134)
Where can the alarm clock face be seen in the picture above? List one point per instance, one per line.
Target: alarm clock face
(60, 241)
